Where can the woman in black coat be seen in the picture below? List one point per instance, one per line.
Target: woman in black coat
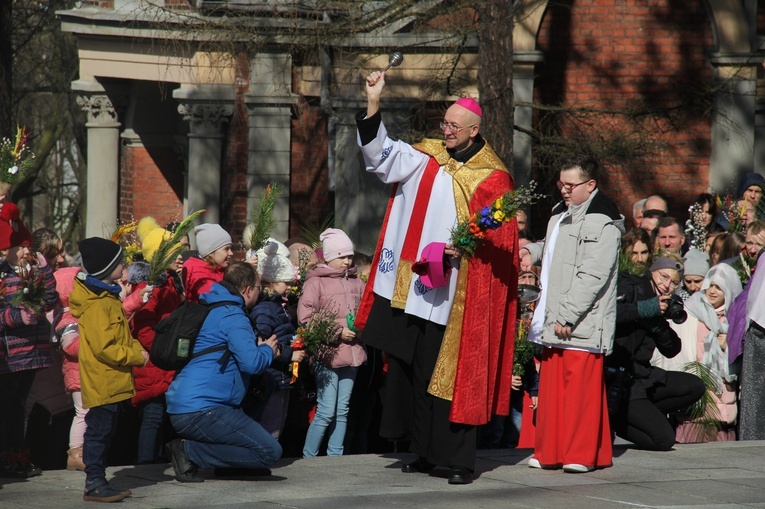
(642, 327)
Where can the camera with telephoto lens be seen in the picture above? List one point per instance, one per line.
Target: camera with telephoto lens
(676, 310)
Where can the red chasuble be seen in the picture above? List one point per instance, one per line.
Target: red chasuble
(477, 352)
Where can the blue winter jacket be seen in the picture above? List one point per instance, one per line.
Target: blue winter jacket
(268, 317)
(204, 383)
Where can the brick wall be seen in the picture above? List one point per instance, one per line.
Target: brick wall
(310, 199)
(634, 55)
(233, 216)
(151, 184)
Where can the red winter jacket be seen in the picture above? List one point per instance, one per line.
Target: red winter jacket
(198, 277)
(150, 381)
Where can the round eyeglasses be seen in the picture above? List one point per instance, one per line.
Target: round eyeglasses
(454, 128)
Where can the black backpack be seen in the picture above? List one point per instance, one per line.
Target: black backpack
(176, 335)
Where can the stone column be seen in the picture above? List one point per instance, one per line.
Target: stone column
(206, 108)
(269, 105)
(523, 90)
(360, 197)
(102, 186)
(733, 119)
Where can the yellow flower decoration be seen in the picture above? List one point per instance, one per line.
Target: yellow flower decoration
(499, 215)
(498, 203)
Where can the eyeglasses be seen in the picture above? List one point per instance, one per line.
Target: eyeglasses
(454, 128)
(663, 278)
(571, 187)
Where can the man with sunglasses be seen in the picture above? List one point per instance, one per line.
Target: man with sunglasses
(450, 345)
(575, 320)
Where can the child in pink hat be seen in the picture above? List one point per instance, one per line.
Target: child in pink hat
(334, 287)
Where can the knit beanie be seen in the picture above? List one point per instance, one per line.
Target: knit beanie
(335, 244)
(664, 262)
(275, 267)
(151, 236)
(696, 263)
(100, 256)
(138, 272)
(210, 237)
(13, 233)
(281, 249)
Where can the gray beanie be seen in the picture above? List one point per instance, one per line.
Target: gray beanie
(138, 272)
(210, 237)
(696, 263)
(664, 262)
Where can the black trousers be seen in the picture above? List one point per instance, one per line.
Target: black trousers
(409, 412)
(647, 424)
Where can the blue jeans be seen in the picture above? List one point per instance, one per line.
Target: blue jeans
(226, 437)
(101, 422)
(334, 387)
(152, 411)
(504, 431)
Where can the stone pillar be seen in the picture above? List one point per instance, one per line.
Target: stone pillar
(206, 108)
(102, 186)
(269, 105)
(523, 90)
(360, 197)
(733, 119)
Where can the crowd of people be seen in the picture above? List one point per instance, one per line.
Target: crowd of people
(649, 328)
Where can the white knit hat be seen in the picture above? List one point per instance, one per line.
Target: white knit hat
(275, 267)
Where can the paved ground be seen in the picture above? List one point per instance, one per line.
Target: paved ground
(719, 475)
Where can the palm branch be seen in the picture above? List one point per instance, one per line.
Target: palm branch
(312, 232)
(705, 412)
(170, 248)
(262, 218)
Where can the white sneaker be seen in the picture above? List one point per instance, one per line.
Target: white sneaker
(576, 468)
(534, 463)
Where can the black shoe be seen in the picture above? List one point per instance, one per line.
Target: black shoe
(185, 470)
(242, 472)
(460, 475)
(104, 492)
(16, 464)
(419, 465)
(19, 471)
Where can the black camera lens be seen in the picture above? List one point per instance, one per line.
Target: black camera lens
(676, 310)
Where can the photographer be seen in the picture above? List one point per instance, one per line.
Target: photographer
(640, 395)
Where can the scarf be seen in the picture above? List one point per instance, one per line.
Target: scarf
(725, 278)
(99, 286)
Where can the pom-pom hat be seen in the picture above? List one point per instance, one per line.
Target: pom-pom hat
(13, 233)
(275, 267)
(151, 236)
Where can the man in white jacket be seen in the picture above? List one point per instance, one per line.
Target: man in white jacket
(575, 320)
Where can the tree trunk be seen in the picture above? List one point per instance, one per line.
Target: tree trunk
(6, 68)
(495, 75)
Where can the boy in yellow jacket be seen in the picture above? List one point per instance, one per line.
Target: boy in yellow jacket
(107, 354)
